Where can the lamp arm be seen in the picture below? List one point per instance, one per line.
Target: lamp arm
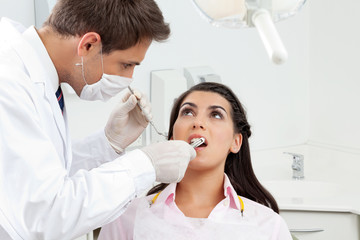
(261, 19)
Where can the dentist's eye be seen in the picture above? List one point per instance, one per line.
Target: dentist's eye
(127, 65)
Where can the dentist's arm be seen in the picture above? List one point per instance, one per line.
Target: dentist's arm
(124, 126)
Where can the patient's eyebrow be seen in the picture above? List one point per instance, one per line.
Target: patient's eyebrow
(212, 107)
(188, 103)
(216, 106)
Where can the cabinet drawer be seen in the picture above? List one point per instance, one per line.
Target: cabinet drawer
(308, 225)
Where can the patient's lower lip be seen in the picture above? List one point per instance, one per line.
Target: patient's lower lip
(199, 149)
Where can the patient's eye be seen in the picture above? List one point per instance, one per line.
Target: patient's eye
(186, 112)
(216, 114)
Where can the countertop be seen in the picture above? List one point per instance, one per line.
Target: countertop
(331, 183)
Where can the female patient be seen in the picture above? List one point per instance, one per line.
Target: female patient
(219, 196)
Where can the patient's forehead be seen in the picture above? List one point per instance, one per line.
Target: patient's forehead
(205, 98)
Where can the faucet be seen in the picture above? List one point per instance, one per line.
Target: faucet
(297, 165)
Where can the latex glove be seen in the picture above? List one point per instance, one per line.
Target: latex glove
(127, 121)
(170, 159)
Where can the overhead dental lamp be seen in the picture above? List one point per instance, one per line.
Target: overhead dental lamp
(253, 13)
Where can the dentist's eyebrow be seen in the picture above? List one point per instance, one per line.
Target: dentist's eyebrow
(135, 63)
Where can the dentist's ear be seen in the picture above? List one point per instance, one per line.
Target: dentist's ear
(88, 43)
(236, 144)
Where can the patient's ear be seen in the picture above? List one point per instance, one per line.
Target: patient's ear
(236, 144)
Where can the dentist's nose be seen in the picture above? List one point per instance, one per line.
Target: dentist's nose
(129, 74)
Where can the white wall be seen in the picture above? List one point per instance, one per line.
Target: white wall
(19, 10)
(42, 9)
(334, 73)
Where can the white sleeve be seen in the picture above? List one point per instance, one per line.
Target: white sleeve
(38, 199)
(91, 152)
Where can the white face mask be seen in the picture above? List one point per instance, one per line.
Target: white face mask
(104, 89)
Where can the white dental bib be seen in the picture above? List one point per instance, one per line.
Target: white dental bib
(162, 219)
(153, 223)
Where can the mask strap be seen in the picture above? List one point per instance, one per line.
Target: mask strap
(82, 70)
(82, 65)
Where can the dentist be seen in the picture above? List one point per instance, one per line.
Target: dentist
(50, 188)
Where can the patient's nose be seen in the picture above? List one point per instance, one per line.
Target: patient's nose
(199, 123)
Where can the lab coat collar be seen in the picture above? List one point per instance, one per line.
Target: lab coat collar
(41, 70)
(11, 32)
(167, 196)
(45, 73)
(33, 38)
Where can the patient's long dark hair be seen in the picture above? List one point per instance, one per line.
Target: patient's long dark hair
(238, 166)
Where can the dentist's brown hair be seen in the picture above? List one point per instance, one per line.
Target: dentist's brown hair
(238, 166)
(121, 24)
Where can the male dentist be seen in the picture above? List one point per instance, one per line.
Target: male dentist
(49, 188)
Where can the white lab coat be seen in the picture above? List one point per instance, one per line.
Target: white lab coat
(39, 198)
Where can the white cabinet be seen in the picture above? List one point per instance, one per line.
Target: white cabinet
(309, 225)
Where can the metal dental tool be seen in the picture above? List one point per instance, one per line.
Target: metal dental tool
(150, 121)
(195, 142)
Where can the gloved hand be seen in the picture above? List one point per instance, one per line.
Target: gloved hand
(127, 121)
(170, 159)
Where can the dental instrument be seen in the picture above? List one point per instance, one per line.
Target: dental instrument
(195, 142)
(150, 121)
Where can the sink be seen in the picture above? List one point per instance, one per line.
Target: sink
(301, 189)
